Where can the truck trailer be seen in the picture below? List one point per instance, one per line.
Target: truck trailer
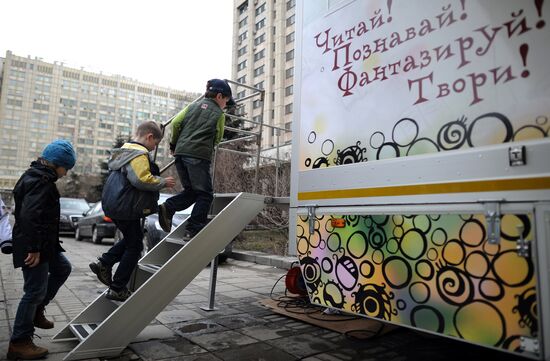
(420, 186)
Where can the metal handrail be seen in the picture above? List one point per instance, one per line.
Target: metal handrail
(243, 131)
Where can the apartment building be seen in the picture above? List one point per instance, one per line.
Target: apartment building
(263, 57)
(41, 101)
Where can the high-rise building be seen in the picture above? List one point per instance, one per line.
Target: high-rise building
(41, 101)
(263, 57)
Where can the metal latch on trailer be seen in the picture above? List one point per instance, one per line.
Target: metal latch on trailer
(523, 246)
(529, 344)
(311, 217)
(516, 156)
(492, 215)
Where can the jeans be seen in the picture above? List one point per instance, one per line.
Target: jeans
(127, 251)
(41, 284)
(195, 177)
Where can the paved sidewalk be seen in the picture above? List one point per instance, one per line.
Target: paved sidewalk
(240, 330)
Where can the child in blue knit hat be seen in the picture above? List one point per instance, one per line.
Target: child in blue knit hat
(36, 246)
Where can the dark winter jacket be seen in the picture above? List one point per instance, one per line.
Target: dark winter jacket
(132, 188)
(197, 129)
(36, 227)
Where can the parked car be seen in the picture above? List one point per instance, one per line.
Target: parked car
(71, 211)
(95, 225)
(153, 233)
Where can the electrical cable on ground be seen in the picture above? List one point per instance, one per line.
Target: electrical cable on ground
(302, 305)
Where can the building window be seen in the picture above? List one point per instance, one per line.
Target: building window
(289, 90)
(259, 70)
(289, 72)
(259, 39)
(242, 79)
(290, 4)
(241, 65)
(290, 38)
(290, 20)
(256, 104)
(259, 55)
(260, 24)
(257, 118)
(15, 102)
(241, 51)
(288, 108)
(241, 94)
(290, 55)
(260, 9)
(243, 22)
(259, 85)
(243, 37)
(243, 7)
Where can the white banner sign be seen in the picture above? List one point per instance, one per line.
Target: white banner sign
(385, 79)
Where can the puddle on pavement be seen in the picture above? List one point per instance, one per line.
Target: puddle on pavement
(196, 327)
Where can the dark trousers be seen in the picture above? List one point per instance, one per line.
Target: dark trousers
(196, 179)
(41, 284)
(127, 251)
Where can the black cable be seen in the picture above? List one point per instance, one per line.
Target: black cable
(272, 288)
(337, 318)
(302, 305)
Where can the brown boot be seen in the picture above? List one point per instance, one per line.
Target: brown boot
(40, 319)
(25, 350)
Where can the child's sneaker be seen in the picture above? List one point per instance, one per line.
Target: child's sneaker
(121, 295)
(103, 273)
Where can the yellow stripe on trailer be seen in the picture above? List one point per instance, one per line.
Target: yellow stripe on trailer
(518, 184)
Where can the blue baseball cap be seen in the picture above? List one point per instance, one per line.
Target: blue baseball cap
(61, 153)
(219, 86)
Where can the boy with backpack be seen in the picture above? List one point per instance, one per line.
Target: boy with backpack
(130, 193)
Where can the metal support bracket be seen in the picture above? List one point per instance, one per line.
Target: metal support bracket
(311, 217)
(529, 344)
(212, 288)
(523, 246)
(492, 214)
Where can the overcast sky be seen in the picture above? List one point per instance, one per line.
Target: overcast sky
(173, 43)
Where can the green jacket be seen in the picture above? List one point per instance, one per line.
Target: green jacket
(197, 129)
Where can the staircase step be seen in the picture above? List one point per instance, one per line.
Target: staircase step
(83, 330)
(175, 240)
(106, 327)
(151, 268)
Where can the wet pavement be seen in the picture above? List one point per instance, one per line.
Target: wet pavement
(239, 329)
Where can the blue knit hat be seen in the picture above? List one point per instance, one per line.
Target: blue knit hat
(61, 153)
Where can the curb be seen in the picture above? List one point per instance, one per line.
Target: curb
(283, 262)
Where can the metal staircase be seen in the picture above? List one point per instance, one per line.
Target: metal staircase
(106, 327)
